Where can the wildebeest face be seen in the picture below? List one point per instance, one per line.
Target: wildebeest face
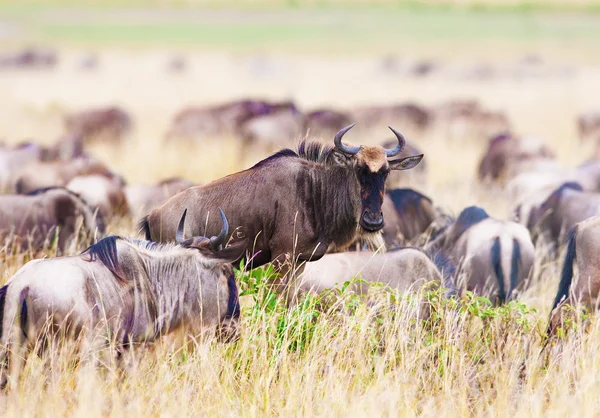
(371, 165)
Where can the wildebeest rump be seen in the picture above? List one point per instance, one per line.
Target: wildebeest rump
(495, 256)
(34, 219)
(296, 203)
(126, 290)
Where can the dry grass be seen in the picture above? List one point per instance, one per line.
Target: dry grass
(302, 362)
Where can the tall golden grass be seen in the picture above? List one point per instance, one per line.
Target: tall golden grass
(468, 359)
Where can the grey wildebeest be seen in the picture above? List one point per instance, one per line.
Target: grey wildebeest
(129, 291)
(144, 198)
(495, 256)
(292, 203)
(110, 123)
(107, 195)
(13, 159)
(402, 268)
(34, 219)
(408, 214)
(583, 247)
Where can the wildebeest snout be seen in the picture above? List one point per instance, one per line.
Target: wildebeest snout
(371, 221)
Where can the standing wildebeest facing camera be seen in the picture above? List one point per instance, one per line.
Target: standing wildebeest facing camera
(496, 256)
(296, 203)
(35, 218)
(127, 290)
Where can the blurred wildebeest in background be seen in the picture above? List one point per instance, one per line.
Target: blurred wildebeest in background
(176, 64)
(588, 124)
(105, 194)
(409, 115)
(107, 123)
(462, 119)
(222, 119)
(57, 173)
(324, 123)
(495, 256)
(508, 156)
(563, 209)
(295, 204)
(278, 128)
(66, 147)
(403, 269)
(33, 220)
(88, 62)
(135, 290)
(144, 198)
(13, 159)
(29, 58)
(583, 247)
(407, 214)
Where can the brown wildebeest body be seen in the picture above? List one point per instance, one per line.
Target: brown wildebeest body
(324, 123)
(403, 269)
(291, 204)
(408, 214)
(102, 193)
(34, 219)
(562, 210)
(29, 58)
(495, 256)
(583, 247)
(406, 113)
(110, 122)
(125, 290)
(508, 156)
(57, 173)
(12, 160)
(143, 198)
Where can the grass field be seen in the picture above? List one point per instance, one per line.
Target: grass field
(468, 359)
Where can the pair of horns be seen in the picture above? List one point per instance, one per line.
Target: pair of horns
(352, 150)
(214, 242)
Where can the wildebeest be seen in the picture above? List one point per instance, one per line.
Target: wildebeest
(495, 256)
(104, 194)
(568, 205)
(467, 119)
(14, 159)
(583, 247)
(274, 130)
(227, 118)
(508, 156)
(407, 215)
(57, 173)
(110, 123)
(403, 269)
(410, 114)
(29, 58)
(323, 123)
(588, 124)
(127, 290)
(292, 203)
(144, 198)
(33, 220)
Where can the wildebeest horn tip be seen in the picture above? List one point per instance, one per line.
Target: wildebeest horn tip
(337, 140)
(180, 235)
(215, 242)
(401, 142)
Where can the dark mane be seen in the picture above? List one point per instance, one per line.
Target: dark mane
(307, 150)
(105, 251)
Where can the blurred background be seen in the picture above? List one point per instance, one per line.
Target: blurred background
(164, 78)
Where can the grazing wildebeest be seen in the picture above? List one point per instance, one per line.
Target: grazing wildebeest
(57, 173)
(566, 206)
(508, 156)
(128, 291)
(402, 268)
(110, 123)
(144, 198)
(496, 256)
(583, 247)
(407, 215)
(107, 195)
(292, 203)
(274, 130)
(34, 219)
(14, 159)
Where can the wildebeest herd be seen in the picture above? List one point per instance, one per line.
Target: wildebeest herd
(320, 214)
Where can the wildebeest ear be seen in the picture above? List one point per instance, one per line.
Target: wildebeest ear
(340, 157)
(405, 163)
(232, 253)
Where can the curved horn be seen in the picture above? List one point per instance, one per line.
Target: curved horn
(180, 236)
(401, 142)
(215, 242)
(337, 140)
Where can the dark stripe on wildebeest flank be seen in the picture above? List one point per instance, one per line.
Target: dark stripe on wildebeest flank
(496, 258)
